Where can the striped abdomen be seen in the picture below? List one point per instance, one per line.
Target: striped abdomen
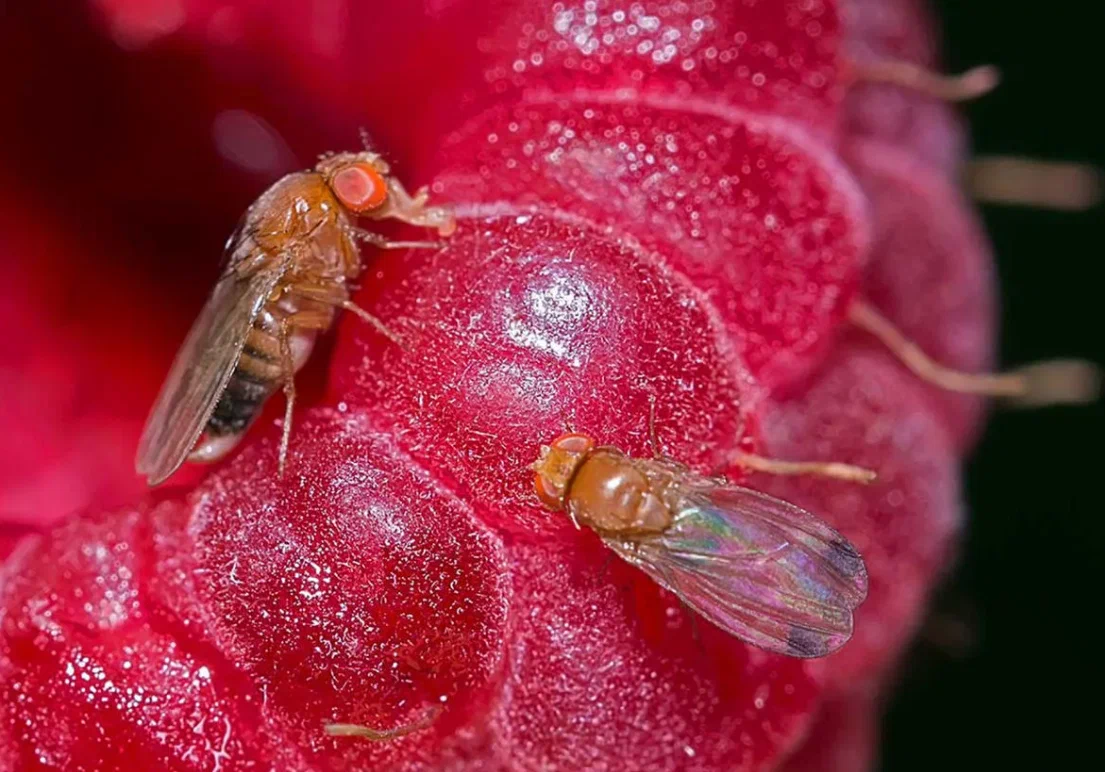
(259, 373)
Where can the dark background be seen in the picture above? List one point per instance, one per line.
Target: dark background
(1027, 693)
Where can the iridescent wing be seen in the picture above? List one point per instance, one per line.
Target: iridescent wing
(203, 367)
(759, 568)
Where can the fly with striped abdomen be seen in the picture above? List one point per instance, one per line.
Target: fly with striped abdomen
(288, 270)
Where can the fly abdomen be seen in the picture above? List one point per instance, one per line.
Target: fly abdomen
(256, 377)
(238, 405)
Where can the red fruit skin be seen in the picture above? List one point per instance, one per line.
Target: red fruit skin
(90, 680)
(843, 737)
(751, 211)
(403, 557)
(245, 619)
(778, 59)
(361, 591)
(11, 536)
(930, 271)
(527, 323)
(922, 126)
(521, 324)
(864, 407)
(605, 671)
(74, 378)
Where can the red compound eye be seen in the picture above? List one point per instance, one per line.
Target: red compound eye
(557, 466)
(573, 443)
(549, 494)
(359, 187)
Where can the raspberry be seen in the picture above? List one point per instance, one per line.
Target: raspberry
(671, 204)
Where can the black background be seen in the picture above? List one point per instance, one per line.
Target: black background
(1027, 694)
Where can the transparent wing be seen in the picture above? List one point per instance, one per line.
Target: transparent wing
(201, 370)
(764, 570)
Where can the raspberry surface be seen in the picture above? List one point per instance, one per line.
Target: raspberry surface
(659, 202)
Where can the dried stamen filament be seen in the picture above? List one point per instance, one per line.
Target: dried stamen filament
(997, 179)
(831, 469)
(952, 88)
(381, 735)
(1054, 382)
(1019, 181)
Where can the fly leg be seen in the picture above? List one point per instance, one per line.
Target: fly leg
(288, 366)
(336, 297)
(410, 209)
(308, 319)
(383, 242)
(381, 328)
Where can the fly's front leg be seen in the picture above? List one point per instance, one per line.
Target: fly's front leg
(336, 297)
(406, 208)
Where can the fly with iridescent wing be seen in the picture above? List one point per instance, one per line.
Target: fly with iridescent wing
(759, 568)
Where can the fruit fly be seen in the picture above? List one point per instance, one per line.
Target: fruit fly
(759, 568)
(287, 272)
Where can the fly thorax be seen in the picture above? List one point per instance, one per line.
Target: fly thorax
(332, 247)
(610, 494)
